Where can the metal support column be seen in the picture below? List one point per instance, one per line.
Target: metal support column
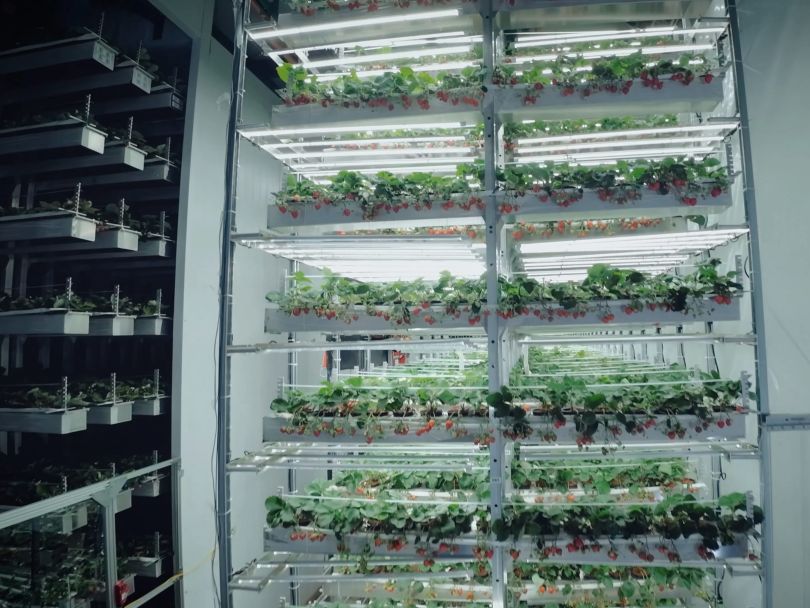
(757, 303)
(107, 499)
(494, 344)
(241, 14)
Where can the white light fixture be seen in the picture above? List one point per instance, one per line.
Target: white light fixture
(386, 258)
(447, 150)
(382, 141)
(602, 156)
(627, 143)
(386, 161)
(384, 57)
(624, 52)
(263, 34)
(711, 126)
(530, 40)
(398, 42)
(301, 131)
(444, 169)
(447, 66)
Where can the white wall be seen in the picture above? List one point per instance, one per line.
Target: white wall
(775, 50)
(196, 313)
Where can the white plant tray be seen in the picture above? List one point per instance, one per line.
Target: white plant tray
(110, 324)
(44, 322)
(110, 414)
(40, 420)
(153, 326)
(151, 407)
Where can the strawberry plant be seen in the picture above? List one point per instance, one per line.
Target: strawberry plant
(541, 128)
(402, 87)
(402, 301)
(573, 74)
(622, 183)
(678, 516)
(372, 195)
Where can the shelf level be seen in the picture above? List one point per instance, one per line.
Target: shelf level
(46, 421)
(86, 49)
(115, 157)
(590, 207)
(597, 313)
(335, 215)
(123, 80)
(278, 539)
(52, 139)
(674, 98)
(47, 226)
(157, 102)
(44, 322)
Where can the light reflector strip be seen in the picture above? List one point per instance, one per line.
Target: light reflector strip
(710, 126)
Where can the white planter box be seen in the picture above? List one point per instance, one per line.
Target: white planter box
(110, 324)
(44, 322)
(151, 407)
(110, 414)
(48, 225)
(39, 420)
(153, 326)
(151, 488)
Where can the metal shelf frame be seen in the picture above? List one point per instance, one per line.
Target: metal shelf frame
(497, 105)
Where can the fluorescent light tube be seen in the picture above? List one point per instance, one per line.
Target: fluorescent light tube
(382, 57)
(447, 66)
(529, 40)
(262, 34)
(715, 126)
(377, 152)
(301, 131)
(345, 143)
(625, 143)
(407, 169)
(624, 52)
(384, 161)
(600, 156)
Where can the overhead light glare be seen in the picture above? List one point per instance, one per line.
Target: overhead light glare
(263, 34)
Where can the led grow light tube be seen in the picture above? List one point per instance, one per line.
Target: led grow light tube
(371, 152)
(301, 131)
(622, 143)
(398, 42)
(619, 243)
(618, 155)
(386, 161)
(623, 52)
(405, 169)
(530, 40)
(427, 67)
(713, 126)
(383, 57)
(338, 143)
(263, 34)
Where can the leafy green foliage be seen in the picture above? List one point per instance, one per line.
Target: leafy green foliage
(402, 301)
(401, 87)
